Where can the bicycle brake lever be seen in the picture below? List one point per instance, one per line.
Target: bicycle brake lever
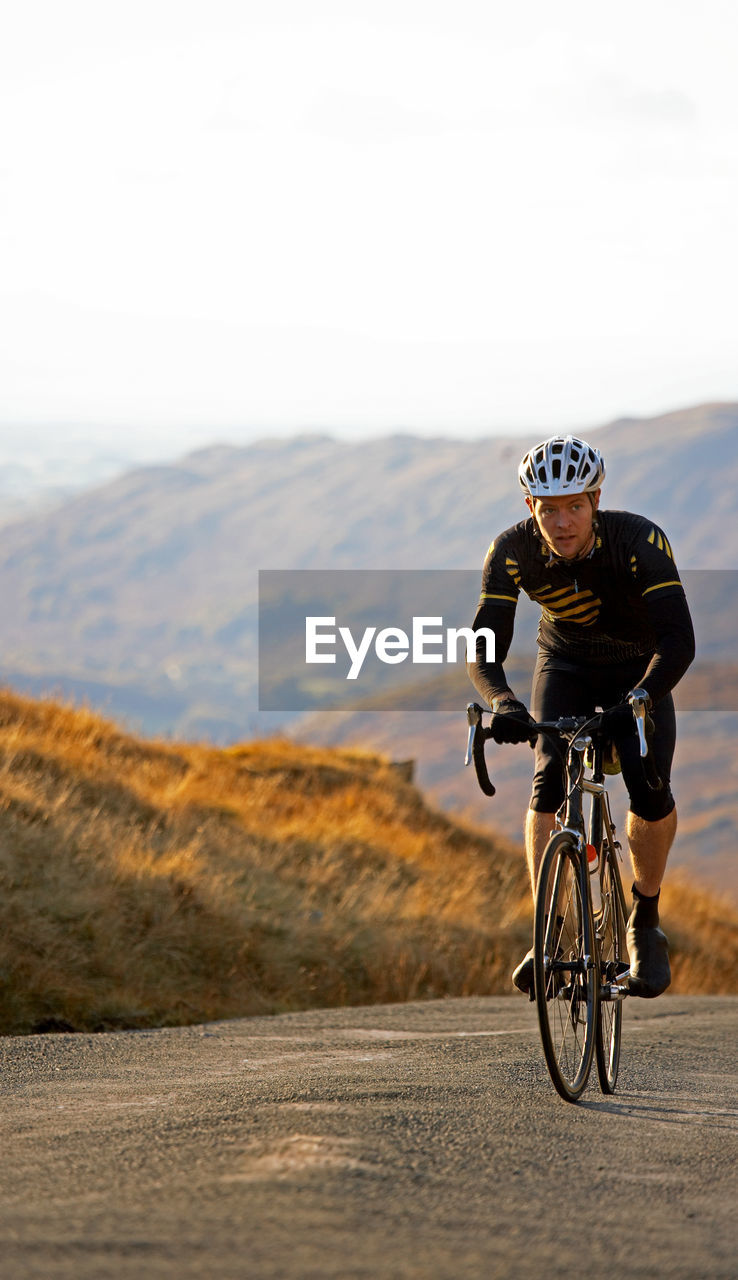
(474, 718)
(639, 701)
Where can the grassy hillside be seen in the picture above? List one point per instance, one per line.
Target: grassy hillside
(145, 884)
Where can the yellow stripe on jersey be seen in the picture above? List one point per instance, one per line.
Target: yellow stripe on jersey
(568, 605)
(562, 602)
(513, 570)
(584, 607)
(583, 617)
(545, 595)
(491, 596)
(547, 589)
(657, 587)
(656, 538)
(564, 596)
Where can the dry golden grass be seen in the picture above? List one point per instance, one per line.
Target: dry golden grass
(703, 938)
(147, 884)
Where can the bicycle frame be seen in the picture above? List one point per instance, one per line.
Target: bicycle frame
(600, 823)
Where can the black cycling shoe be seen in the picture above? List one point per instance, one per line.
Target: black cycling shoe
(524, 976)
(648, 948)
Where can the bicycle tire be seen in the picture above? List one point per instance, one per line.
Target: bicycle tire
(610, 930)
(567, 983)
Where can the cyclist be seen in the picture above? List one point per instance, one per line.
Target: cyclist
(614, 619)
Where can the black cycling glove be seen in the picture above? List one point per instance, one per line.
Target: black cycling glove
(511, 723)
(619, 722)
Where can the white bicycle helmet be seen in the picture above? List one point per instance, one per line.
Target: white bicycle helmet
(561, 465)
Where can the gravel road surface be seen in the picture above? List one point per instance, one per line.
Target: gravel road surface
(412, 1141)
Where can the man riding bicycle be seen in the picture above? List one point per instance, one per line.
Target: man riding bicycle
(614, 619)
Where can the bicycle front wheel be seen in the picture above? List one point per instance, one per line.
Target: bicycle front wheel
(610, 928)
(566, 972)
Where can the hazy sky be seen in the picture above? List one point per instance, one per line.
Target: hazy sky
(366, 214)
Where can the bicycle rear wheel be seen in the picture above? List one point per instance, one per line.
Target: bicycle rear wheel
(610, 928)
(566, 977)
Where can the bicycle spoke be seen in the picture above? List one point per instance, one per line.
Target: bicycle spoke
(611, 941)
(566, 990)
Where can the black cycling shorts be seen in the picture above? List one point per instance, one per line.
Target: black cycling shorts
(565, 688)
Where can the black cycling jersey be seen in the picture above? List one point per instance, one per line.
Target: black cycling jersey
(623, 601)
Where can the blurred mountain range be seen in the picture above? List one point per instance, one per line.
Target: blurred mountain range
(42, 467)
(140, 594)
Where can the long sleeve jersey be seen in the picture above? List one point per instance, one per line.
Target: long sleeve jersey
(622, 601)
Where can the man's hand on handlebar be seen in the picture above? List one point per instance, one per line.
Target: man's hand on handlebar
(511, 722)
(619, 721)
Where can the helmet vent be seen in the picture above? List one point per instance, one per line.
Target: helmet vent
(561, 465)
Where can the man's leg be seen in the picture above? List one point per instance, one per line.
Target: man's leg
(650, 829)
(649, 844)
(538, 828)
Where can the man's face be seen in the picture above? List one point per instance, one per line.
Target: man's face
(566, 522)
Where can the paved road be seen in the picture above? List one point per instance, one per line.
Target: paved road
(415, 1141)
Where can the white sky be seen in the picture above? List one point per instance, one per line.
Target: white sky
(364, 215)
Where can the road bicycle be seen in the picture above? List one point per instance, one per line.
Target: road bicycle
(579, 947)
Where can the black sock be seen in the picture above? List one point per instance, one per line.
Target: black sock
(645, 908)
(644, 897)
